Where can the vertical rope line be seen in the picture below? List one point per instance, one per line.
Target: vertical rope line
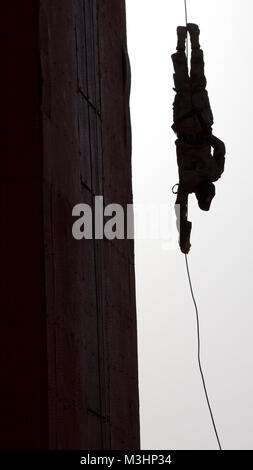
(199, 355)
(186, 21)
(187, 55)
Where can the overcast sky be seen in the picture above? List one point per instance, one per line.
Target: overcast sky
(174, 414)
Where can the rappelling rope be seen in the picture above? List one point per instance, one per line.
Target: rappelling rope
(199, 355)
(186, 21)
(195, 303)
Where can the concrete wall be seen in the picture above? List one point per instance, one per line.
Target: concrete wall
(72, 342)
(23, 391)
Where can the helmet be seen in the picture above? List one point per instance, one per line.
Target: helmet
(205, 193)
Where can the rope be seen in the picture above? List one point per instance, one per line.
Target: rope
(185, 7)
(199, 355)
(186, 21)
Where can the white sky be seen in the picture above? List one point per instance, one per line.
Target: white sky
(174, 413)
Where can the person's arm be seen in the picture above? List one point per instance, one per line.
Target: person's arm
(218, 155)
(183, 225)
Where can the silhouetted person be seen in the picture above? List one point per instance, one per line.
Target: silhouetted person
(193, 120)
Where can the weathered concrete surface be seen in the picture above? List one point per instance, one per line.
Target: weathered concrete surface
(77, 338)
(120, 311)
(23, 362)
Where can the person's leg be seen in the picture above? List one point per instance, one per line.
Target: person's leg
(181, 38)
(200, 99)
(197, 76)
(198, 81)
(194, 31)
(181, 76)
(182, 102)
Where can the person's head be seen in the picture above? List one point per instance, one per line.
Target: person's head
(205, 193)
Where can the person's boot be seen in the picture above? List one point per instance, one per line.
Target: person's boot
(194, 31)
(181, 38)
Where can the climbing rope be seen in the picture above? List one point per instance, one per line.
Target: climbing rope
(199, 355)
(186, 21)
(186, 15)
(195, 303)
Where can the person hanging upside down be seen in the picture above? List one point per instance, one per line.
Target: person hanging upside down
(193, 120)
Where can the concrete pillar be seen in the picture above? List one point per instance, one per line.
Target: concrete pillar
(68, 318)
